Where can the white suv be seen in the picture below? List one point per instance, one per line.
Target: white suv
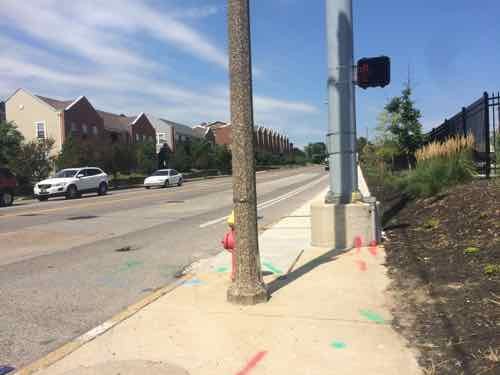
(72, 182)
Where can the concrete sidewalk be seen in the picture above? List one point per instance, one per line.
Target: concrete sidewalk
(330, 315)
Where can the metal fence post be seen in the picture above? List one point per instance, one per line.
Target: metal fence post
(487, 133)
(464, 121)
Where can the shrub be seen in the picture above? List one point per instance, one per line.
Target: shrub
(223, 159)
(181, 159)
(33, 162)
(431, 224)
(439, 166)
(471, 250)
(146, 157)
(492, 269)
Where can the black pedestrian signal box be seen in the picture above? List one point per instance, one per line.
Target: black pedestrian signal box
(374, 72)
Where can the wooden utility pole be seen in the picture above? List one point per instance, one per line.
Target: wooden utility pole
(248, 287)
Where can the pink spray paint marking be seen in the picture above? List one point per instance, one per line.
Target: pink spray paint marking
(361, 265)
(373, 248)
(358, 241)
(252, 363)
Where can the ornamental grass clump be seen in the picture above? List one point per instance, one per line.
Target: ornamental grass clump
(439, 166)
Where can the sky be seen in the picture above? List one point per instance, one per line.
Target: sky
(169, 57)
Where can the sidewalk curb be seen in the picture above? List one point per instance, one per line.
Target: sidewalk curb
(68, 348)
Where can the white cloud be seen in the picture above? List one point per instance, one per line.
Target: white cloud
(269, 104)
(195, 13)
(68, 49)
(60, 28)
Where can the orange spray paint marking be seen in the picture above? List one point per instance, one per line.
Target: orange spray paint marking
(361, 265)
(373, 248)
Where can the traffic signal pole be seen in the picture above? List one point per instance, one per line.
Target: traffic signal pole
(341, 137)
(342, 219)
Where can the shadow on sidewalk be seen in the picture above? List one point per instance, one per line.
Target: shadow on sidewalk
(284, 280)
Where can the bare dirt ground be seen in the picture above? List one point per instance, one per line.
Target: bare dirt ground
(443, 255)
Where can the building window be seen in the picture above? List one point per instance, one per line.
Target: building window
(162, 138)
(137, 137)
(40, 130)
(95, 130)
(74, 128)
(84, 128)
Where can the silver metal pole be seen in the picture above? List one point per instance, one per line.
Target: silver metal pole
(341, 137)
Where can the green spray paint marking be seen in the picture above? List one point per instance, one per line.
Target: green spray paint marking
(131, 264)
(222, 269)
(338, 345)
(271, 268)
(374, 317)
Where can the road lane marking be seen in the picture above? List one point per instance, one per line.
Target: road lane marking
(270, 202)
(97, 201)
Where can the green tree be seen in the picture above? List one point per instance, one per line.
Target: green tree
(360, 144)
(181, 159)
(10, 142)
(146, 157)
(71, 154)
(33, 162)
(316, 152)
(401, 120)
(263, 158)
(202, 154)
(223, 158)
(123, 159)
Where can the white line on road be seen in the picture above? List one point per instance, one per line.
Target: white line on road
(270, 202)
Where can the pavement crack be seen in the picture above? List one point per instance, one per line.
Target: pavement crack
(82, 217)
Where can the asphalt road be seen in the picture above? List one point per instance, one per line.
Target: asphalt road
(62, 265)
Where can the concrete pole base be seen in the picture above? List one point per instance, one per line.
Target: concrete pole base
(244, 295)
(340, 226)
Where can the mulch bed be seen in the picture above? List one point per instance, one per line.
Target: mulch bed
(443, 256)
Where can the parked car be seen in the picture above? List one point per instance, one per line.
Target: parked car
(8, 184)
(164, 178)
(72, 183)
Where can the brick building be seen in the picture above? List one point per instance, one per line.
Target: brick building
(266, 140)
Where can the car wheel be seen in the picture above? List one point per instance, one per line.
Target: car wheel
(103, 189)
(180, 182)
(147, 187)
(6, 198)
(166, 184)
(72, 192)
(43, 199)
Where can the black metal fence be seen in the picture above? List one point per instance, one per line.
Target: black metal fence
(480, 119)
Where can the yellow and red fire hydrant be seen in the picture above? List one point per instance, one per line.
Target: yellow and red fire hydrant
(229, 244)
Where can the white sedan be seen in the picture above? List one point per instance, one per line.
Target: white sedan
(164, 178)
